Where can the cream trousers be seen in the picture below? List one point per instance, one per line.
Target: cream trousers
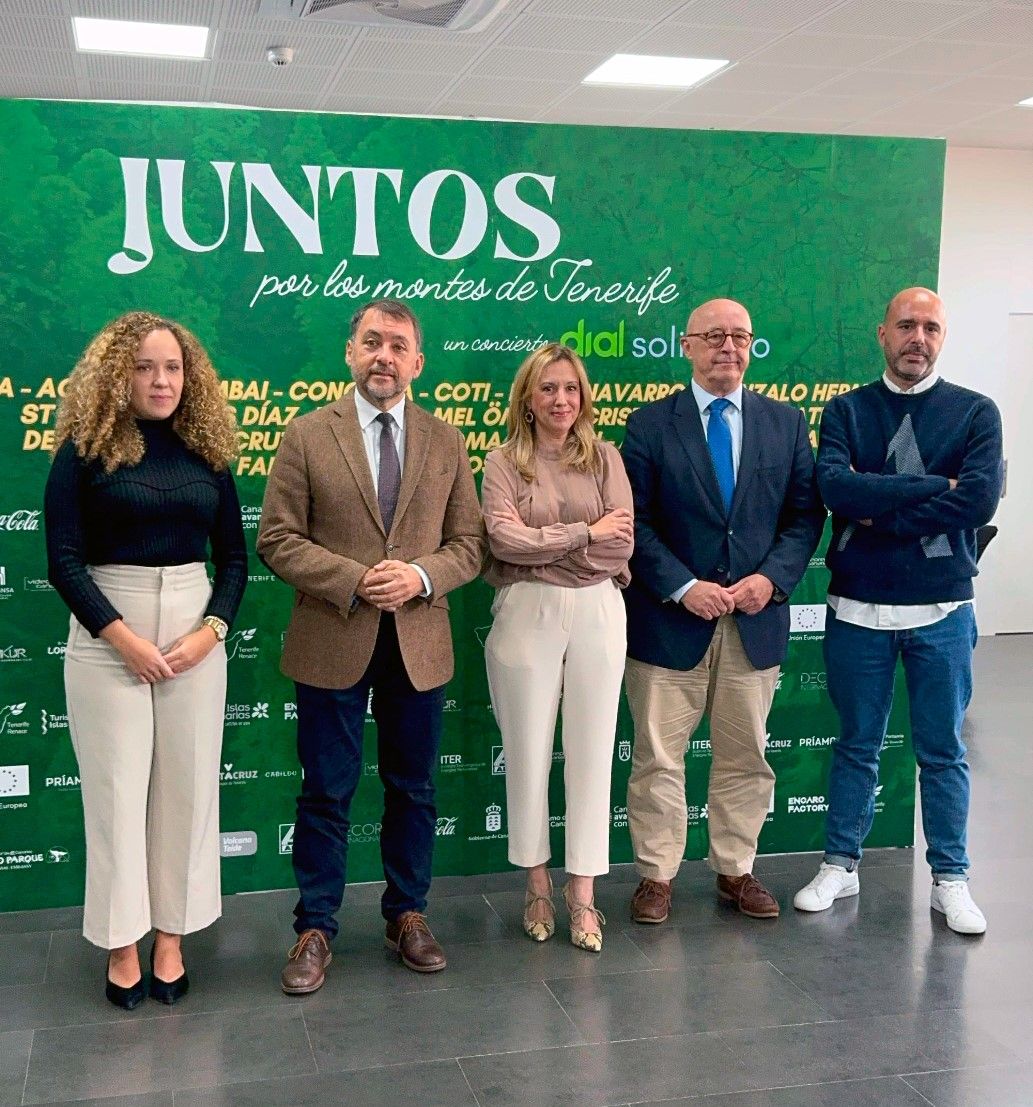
(667, 706)
(149, 763)
(548, 644)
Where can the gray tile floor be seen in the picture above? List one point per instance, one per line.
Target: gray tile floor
(874, 1003)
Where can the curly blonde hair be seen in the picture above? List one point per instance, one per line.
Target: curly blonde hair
(95, 412)
(580, 451)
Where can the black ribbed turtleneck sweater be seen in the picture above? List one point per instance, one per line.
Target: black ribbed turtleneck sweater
(167, 510)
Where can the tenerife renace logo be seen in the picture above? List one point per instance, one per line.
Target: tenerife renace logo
(239, 646)
(12, 720)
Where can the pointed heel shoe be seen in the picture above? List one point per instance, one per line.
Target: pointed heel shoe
(126, 998)
(584, 939)
(168, 991)
(539, 930)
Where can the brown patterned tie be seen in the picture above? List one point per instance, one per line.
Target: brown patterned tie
(389, 479)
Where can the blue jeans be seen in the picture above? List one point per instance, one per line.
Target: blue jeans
(860, 663)
(330, 731)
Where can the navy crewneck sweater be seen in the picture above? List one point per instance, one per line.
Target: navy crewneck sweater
(166, 510)
(886, 457)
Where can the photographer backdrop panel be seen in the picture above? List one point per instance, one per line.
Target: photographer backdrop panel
(261, 231)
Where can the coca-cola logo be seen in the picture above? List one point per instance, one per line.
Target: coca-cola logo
(20, 520)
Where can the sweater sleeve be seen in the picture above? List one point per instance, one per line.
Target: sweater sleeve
(515, 543)
(853, 495)
(66, 543)
(613, 555)
(974, 501)
(229, 553)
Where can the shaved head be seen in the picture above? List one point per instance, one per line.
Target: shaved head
(719, 370)
(911, 335)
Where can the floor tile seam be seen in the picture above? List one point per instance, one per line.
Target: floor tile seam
(566, 1013)
(760, 1089)
(810, 999)
(491, 907)
(308, 1038)
(1017, 1063)
(162, 1016)
(466, 1080)
(46, 959)
(918, 1092)
(28, 1066)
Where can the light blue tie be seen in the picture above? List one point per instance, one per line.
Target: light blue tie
(719, 441)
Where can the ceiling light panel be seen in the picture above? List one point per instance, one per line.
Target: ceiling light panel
(650, 71)
(121, 36)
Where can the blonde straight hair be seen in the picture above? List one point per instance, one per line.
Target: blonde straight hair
(580, 451)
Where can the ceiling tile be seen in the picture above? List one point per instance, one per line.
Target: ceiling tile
(193, 13)
(893, 17)
(539, 32)
(36, 34)
(787, 79)
(536, 64)
(451, 57)
(265, 78)
(876, 82)
(501, 91)
(326, 49)
(1000, 26)
(771, 15)
(596, 98)
(984, 89)
(700, 42)
(826, 50)
(839, 109)
(933, 56)
(618, 10)
(418, 88)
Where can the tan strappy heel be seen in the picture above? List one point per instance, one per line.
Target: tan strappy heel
(583, 939)
(539, 930)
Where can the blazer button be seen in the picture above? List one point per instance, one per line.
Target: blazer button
(721, 569)
(390, 548)
(730, 532)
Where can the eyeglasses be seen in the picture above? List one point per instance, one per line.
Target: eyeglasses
(716, 339)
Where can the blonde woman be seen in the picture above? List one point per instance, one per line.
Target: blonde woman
(138, 496)
(558, 511)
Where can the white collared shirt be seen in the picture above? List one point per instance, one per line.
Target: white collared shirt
(732, 415)
(895, 616)
(371, 432)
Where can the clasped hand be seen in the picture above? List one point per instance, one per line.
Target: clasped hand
(710, 601)
(389, 584)
(150, 665)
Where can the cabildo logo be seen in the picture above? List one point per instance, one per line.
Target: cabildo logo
(806, 805)
(492, 818)
(229, 775)
(258, 177)
(237, 645)
(624, 750)
(10, 719)
(22, 519)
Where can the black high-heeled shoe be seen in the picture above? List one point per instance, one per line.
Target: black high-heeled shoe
(126, 998)
(168, 991)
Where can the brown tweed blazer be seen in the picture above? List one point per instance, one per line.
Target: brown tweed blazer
(321, 530)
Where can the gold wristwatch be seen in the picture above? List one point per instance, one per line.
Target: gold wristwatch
(218, 625)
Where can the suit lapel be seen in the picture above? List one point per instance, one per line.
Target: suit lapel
(750, 452)
(689, 428)
(417, 442)
(349, 437)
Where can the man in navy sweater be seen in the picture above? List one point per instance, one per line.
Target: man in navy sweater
(909, 466)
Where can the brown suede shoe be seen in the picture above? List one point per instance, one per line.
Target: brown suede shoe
(749, 895)
(306, 965)
(410, 937)
(651, 902)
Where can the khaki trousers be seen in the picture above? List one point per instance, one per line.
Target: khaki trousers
(549, 642)
(667, 705)
(149, 763)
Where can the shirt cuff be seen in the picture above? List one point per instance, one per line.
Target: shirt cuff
(676, 597)
(427, 590)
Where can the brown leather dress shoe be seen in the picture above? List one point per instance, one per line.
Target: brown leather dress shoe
(749, 895)
(306, 965)
(651, 902)
(410, 937)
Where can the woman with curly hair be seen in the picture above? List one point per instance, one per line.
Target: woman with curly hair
(138, 493)
(558, 510)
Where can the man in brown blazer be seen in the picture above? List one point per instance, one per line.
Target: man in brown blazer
(371, 515)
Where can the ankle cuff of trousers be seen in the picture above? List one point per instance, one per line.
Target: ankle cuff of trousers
(848, 863)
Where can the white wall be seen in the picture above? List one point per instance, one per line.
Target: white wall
(986, 281)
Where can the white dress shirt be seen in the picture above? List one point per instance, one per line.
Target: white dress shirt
(371, 432)
(895, 616)
(733, 417)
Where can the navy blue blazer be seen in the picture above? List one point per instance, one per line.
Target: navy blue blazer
(682, 530)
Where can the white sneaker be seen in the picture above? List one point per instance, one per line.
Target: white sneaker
(953, 899)
(832, 882)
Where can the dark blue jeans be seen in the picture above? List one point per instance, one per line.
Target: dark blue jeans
(938, 668)
(330, 730)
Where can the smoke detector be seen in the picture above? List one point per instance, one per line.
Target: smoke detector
(280, 55)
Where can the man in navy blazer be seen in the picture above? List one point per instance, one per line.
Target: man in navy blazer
(727, 515)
